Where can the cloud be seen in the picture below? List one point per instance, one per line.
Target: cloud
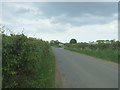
(84, 33)
(13, 11)
(94, 18)
(29, 8)
(59, 25)
(98, 28)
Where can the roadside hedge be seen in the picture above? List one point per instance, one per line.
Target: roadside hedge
(20, 55)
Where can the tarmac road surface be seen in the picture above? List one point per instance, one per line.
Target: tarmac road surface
(82, 71)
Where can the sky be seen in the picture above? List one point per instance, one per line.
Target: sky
(84, 21)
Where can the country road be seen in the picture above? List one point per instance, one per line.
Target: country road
(82, 71)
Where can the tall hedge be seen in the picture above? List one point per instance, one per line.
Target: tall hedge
(19, 55)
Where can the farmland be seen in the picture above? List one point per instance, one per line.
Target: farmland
(108, 51)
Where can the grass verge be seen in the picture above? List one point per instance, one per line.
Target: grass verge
(107, 54)
(44, 74)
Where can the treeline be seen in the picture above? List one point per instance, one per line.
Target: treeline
(99, 44)
(26, 62)
(106, 49)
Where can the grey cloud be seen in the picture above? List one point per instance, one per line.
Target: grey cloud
(63, 20)
(74, 9)
(71, 10)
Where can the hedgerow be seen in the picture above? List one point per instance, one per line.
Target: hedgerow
(22, 60)
(108, 51)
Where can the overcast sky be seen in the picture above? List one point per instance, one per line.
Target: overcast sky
(84, 21)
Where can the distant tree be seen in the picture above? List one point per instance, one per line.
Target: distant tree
(100, 41)
(73, 41)
(56, 42)
(112, 40)
(53, 42)
(107, 41)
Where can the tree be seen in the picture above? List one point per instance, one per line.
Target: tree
(112, 40)
(107, 41)
(100, 41)
(52, 42)
(73, 41)
(56, 42)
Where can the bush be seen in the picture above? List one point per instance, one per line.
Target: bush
(20, 56)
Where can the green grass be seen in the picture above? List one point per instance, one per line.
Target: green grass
(44, 74)
(107, 54)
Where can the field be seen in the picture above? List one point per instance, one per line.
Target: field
(27, 62)
(106, 54)
(104, 51)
